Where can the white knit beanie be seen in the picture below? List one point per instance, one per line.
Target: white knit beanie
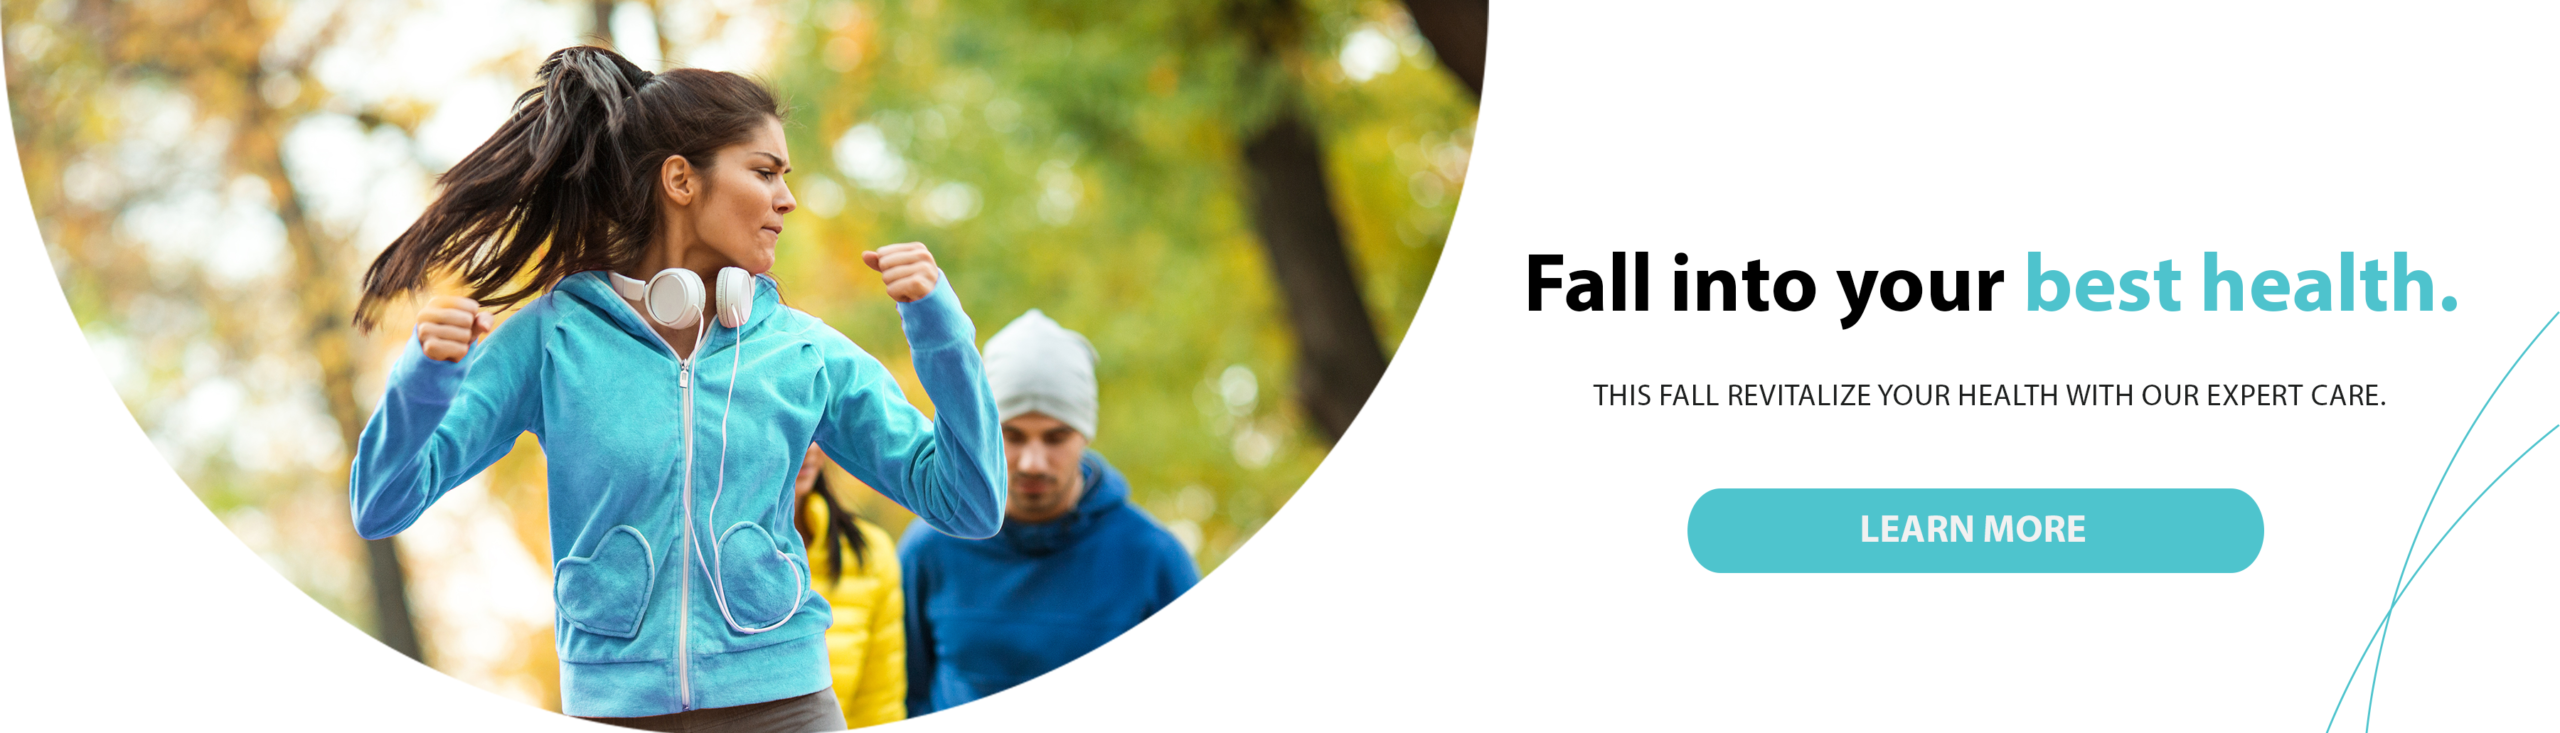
(1035, 365)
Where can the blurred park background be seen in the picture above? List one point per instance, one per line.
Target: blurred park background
(1239, 201)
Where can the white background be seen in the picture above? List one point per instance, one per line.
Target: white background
(1488, 547)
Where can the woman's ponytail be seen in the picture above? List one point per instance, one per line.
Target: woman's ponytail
(568, 183)
(551, 189)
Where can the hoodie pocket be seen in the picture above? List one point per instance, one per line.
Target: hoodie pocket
(607, 591)
(762, 583)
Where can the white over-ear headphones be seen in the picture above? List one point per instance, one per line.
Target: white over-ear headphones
(674, 297)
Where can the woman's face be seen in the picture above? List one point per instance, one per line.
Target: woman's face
(739, 215)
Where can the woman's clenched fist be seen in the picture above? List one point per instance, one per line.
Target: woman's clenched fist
(449, 325)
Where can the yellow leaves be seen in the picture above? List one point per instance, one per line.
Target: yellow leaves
(189, 37)
(403, 113)
(536, 671)
(519, 482)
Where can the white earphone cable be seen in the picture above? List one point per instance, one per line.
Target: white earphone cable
(719, 593)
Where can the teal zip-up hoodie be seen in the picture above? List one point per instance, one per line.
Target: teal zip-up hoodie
(679, 581)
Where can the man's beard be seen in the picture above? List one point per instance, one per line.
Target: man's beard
(1050, 485)
(1052, 499)
(1046, 482)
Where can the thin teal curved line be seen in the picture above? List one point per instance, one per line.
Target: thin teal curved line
(2399, 583)
(2412, 580)
(2422, 566)
(2466, 511)
(2373, 684)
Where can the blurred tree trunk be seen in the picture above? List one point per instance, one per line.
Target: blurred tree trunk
(1456, 30)
(320, 276)
(218, 55)
(1339, 360)
(600, 23)
(600, 30)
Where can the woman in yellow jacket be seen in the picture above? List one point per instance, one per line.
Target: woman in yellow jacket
(858, 575)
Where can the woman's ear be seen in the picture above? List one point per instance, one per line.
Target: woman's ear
(676, 179)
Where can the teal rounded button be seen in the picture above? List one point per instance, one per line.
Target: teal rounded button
(1976, 530)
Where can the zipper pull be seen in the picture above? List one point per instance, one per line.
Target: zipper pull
(684, 377)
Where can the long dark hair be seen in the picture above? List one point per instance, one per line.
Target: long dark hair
(568, 183)
(842, 533)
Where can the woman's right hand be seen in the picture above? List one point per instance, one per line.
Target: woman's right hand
(449, 325)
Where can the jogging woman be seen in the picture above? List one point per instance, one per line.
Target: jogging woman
(659, 370)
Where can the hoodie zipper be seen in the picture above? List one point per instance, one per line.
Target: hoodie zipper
(684, 594)
(684, 612)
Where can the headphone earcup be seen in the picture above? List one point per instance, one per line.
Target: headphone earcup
(674, 298)
(737, 296)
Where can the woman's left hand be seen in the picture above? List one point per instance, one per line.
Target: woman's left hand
(907, 269)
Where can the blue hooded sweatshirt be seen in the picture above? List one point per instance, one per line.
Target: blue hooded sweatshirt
(985, 615)
(674, 593)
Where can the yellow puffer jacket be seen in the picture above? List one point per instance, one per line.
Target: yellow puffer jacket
(867, 645)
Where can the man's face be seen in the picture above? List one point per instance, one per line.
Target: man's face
(1046, 478)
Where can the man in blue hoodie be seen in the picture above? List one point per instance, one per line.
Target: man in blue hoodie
(1075, 564)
